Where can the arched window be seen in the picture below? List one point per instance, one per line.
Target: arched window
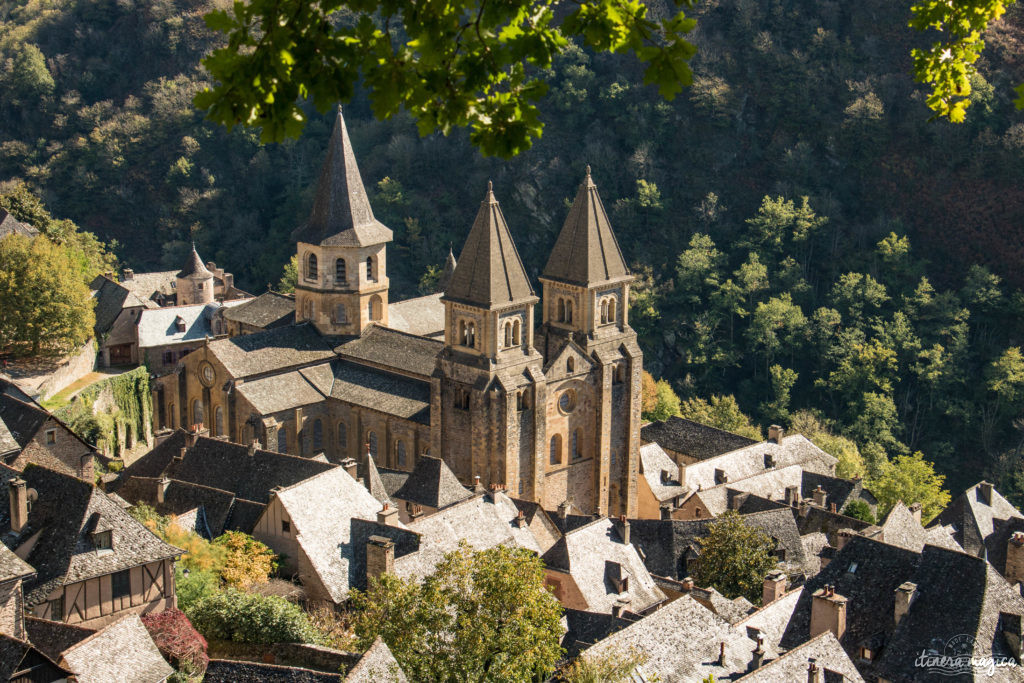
(568, 311)
(370, 275)
(197, 412)
(342, 435)
(556, 450)
(371, 440)
(570, 365)
(340, 274)
(400, 452)
(318, 435)
(560, 317)
(340, 314)
(374, 307)
(282, 439)
(516, 334)
(471, 335)
(462, 332)
(218, 421)
(508, 334)
(604, 311)
(311, 273)
(577, 439)
(612, 304)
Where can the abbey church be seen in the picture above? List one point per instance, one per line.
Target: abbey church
(544, 402)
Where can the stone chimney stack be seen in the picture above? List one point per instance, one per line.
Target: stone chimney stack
(192, 436)
(774, 587)
(904, 596)
(477, 486)
(757, 657)
(1015, 558)
(351, 466)
(813, 671)
(387, 515)
(819, 496)
(843, 536)
(721, 653)
(687, 584)
(253, 447)
(623, 528)
(181, 454)
(915, 510)
(828, 612)
(380, 556)
(985, 493)
(520, 520)
(775, 434)
(563, 509)
(19, 503)
(128, 274)
(621, 605)
(161, 489)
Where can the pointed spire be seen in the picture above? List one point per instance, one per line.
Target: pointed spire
(341, 211)
(489, 271)
(194, 267)
(586, 251)
(374, 484)
(449, 270)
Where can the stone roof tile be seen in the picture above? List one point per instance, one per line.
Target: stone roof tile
(274, 350)
(433, 484)
(376, 665)
(137, 658)
(691, 438)
(268, 311)
(395, 350)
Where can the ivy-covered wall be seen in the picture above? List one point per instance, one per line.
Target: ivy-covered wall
(112, 414)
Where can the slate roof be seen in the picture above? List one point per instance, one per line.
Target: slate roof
(449, 270)
(19, 423)
(392, 480)
(750, 460)
(422, 316)
(489, 272)
(433, 484)
(393, 349)
(586, 250)
(837, 490)
(278, 392)
(273, 350)
(584, 629)
(137, 658)
(9, 225)
(769, 485)
(691, 438)
(585, 554)
(385, 392)
(194, 267)
(341, 216)
(181, 498)
(112, 298)
(146, 285)
(376, 664)
(980, 526)
(770, 621)
(65, 513)
(901, 529)
(482, 521)
(374, 484)
(792, 666)
(268, 311)
(233, 671)
(158, 326)
(53, 637)
(660, 472)
(681, 642)
(320, 509)
(13, 567)
(18, 655)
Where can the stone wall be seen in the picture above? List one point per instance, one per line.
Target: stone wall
(74, 368)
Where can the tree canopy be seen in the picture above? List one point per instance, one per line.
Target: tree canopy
(734, 558)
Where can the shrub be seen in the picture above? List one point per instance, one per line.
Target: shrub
(246, 560)
(193, 586)
(859, 509)
(246, 618)
(178, 641)
(200, 554)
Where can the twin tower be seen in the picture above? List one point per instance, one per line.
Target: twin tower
(551, 409)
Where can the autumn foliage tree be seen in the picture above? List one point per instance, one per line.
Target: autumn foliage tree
(247, 562)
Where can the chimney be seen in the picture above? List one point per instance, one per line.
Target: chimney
(477, 486)
(904, 596)
(721, 653)
(687, 584)
(19, 503)
(351, 466)
(757, 657)
(521, 520)
(128, 274)
(192, 436)
(380, 556)
(1015, 558)
(985, 493)
(666, 511)
(915, 510)
(828, 612)
(386, 515)
(833, 508)
(620, 606)
(682, 474)
(813, 671)
(563, 509)
(842, 537)
(805, 507)
(793, 496)
(624, 529)
(819, 496)
(774, 587)
(775, 434)
(161, 489)
(253, 447)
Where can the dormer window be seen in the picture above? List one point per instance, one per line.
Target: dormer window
(179, 324)
(51, 436)
(102, 540)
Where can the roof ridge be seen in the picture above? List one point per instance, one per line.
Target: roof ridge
(304, 481)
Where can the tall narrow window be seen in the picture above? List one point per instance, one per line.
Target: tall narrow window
(282, 439)
(516, 334)
(342, 435)
(375, 307)
(471, 335)
(197, 412)
(604, 311)
(340, 274)
(173, 416)
(560, 317)
(218, 421)
(462, 332)
(311, 271)
(570, 365)
(555, 457)
(371, 439)
(340, 314)
(400, 452)
(612, 305)
(370, 275)
(508, 334)
(577, 438)
(318, 435)
(568, 311)
(121, 583)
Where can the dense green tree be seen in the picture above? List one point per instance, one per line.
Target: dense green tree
(289, 276)
(912, 479)
(657, 399)
(734, 558)
(859, 509)
(722, 412)
(480, 616)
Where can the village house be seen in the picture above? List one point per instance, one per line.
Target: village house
(29, 434)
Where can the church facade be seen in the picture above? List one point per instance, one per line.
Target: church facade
(537, 394)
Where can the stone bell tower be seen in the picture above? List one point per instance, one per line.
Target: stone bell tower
(342, 285)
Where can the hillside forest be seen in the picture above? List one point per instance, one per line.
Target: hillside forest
(805, 239)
